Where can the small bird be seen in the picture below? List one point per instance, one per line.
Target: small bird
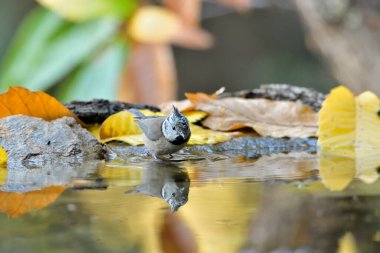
(163, 135)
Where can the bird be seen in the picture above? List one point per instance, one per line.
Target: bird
(163, 135)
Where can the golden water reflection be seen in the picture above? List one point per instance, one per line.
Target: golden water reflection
(227, 205)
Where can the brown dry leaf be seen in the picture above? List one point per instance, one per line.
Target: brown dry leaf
(182, 105)
(19, 100)
(150, 75)
(17, 204)
(176, 236)
(190, 35)
(266, 117)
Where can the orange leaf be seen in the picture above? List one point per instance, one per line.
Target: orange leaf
(182, 106)
(17, 204)
(19, 100)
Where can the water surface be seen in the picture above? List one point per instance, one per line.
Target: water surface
(294, 202)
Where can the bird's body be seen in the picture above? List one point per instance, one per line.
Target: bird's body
(164, 135)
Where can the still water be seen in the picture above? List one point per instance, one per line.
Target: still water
(294, 202)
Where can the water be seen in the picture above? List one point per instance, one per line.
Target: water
(293, 202)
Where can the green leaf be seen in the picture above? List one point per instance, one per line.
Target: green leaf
(79, 10)
(98, 78)
(46, 48)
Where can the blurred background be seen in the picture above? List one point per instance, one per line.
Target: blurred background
(154, 51)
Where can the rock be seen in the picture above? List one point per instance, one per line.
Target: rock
(33, 142)
(248, 146)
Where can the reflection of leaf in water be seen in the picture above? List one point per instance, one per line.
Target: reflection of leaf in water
(337, 171)
(16, 204)
(347, 244)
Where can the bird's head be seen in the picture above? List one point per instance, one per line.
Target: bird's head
(176, 128)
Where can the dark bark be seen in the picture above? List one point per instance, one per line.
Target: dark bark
(97, 110)
(309, 97)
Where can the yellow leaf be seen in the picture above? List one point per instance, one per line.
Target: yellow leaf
(3, 174)
(337, 121)
(195, 116)
(121, 127)
(347, 244)
(152, 24)
(119, 124)
(19, 100)
(201, 136)
(368, 123)
(133, 139)
(349, 125)
(3, 157)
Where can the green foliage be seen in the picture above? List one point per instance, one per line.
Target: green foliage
(80, 10)
(96, 78)
(47, 48)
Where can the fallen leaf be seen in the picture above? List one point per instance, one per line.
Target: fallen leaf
(182, 105)
(350, 125)
(3, 173)
(119, 124)
(122, 127)
(19, 100)
(266, 117)
(367, 123)
(153, 24)
(18, 204)
(3, 157)
(336, 121)
(195, 116)
(150, 75)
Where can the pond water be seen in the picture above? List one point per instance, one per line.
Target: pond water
(294, 202)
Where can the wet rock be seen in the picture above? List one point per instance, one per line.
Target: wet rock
(32, 142)
(307, 96)
(97, 110)
(248, 146)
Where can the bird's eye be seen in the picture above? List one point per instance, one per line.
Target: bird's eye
(173, 128)
(173, 194)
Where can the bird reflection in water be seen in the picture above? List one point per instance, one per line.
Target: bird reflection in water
(167, 181)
